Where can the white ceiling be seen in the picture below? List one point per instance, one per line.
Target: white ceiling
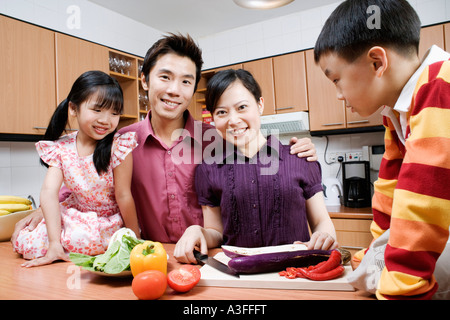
(200, 18)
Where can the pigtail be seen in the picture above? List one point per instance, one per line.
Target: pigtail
(102, 153)
(57, 124)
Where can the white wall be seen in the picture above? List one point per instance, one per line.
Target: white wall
(20, 171)
(294, 32)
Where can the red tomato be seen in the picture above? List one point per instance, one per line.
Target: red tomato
(184, 278)
(149, 285)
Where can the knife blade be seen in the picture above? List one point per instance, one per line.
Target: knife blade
(203, 259)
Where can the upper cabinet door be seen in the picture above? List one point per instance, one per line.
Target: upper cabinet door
(75, 56)
(290, 83)
(262, 71)
(326, 112)
(27, 83)
(429, 36)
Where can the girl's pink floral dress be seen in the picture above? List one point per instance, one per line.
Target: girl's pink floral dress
(90, 215)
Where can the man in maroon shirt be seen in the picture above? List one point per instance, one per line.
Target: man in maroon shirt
(163, 179)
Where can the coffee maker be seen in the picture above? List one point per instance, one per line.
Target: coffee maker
(356, 184)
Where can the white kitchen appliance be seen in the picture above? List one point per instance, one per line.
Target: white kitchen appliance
(286, 122)
(332, 190)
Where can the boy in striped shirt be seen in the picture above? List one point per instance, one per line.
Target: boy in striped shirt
(369, 49)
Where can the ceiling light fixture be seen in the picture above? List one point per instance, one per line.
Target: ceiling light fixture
(262, 4)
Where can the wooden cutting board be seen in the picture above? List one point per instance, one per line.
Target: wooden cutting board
(214, 278)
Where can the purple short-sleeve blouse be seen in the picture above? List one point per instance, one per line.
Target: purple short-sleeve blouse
(262, 200)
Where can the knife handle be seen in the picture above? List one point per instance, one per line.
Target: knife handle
(200, 257)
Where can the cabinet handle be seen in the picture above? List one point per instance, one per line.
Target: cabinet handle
(333, 124)
(352, 247)
(284, 108)
(356, 122)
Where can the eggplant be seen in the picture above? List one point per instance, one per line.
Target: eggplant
(276, 261)
(232, 251)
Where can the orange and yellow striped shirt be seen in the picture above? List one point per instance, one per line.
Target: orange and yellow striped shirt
(412, 193)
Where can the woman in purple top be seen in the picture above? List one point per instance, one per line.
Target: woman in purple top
(253, 192)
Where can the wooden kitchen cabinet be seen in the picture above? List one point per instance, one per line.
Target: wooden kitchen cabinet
(447, 37)
(262, 71)
(354, 120)
(125, 69)
(353, 234)
(27, 83)
(39, 68)
(429, 36)
(326, 112)
(198, 102)
(74, 57)
(289, 73)
(234, 67)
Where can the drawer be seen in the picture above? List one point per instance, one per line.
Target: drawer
(353, 233)
(359, 225)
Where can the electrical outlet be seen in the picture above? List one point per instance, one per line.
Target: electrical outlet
(332, 157)
(353, 156)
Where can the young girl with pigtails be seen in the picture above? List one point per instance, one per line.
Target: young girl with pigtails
(95, 163)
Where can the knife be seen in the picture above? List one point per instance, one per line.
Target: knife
(203, 259)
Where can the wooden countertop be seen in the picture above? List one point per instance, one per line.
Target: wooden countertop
(351, 213)
(65, 281)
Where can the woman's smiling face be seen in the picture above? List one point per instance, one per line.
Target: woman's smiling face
(237, 118)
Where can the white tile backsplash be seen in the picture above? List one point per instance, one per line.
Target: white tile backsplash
(20, 171)
(5, 180)
(338, 143)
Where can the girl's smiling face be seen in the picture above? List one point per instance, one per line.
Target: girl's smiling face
(237, 118)
(94, 122)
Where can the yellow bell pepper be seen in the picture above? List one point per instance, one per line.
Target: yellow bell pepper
(148, 256)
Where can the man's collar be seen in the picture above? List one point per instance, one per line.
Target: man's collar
(189, 127)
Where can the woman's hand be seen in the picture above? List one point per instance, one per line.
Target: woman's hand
(54, 253)
(321, 241)
(184, 249)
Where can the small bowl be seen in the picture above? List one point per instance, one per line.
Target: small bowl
(8, 223)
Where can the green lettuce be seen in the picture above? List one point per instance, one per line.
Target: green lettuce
(115, 260)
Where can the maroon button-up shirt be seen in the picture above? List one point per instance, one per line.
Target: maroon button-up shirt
(163, 179)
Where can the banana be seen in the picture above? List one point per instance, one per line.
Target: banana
(4, 212)
(14, 199)
(14, 207)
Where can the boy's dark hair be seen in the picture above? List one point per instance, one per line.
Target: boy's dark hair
(183, 46)
(223, 79)
(349, 32)
(109, 96)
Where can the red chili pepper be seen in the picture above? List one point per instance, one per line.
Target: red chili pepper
(291, 273)
(333, 261)
(316, 265)
(331, 274)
